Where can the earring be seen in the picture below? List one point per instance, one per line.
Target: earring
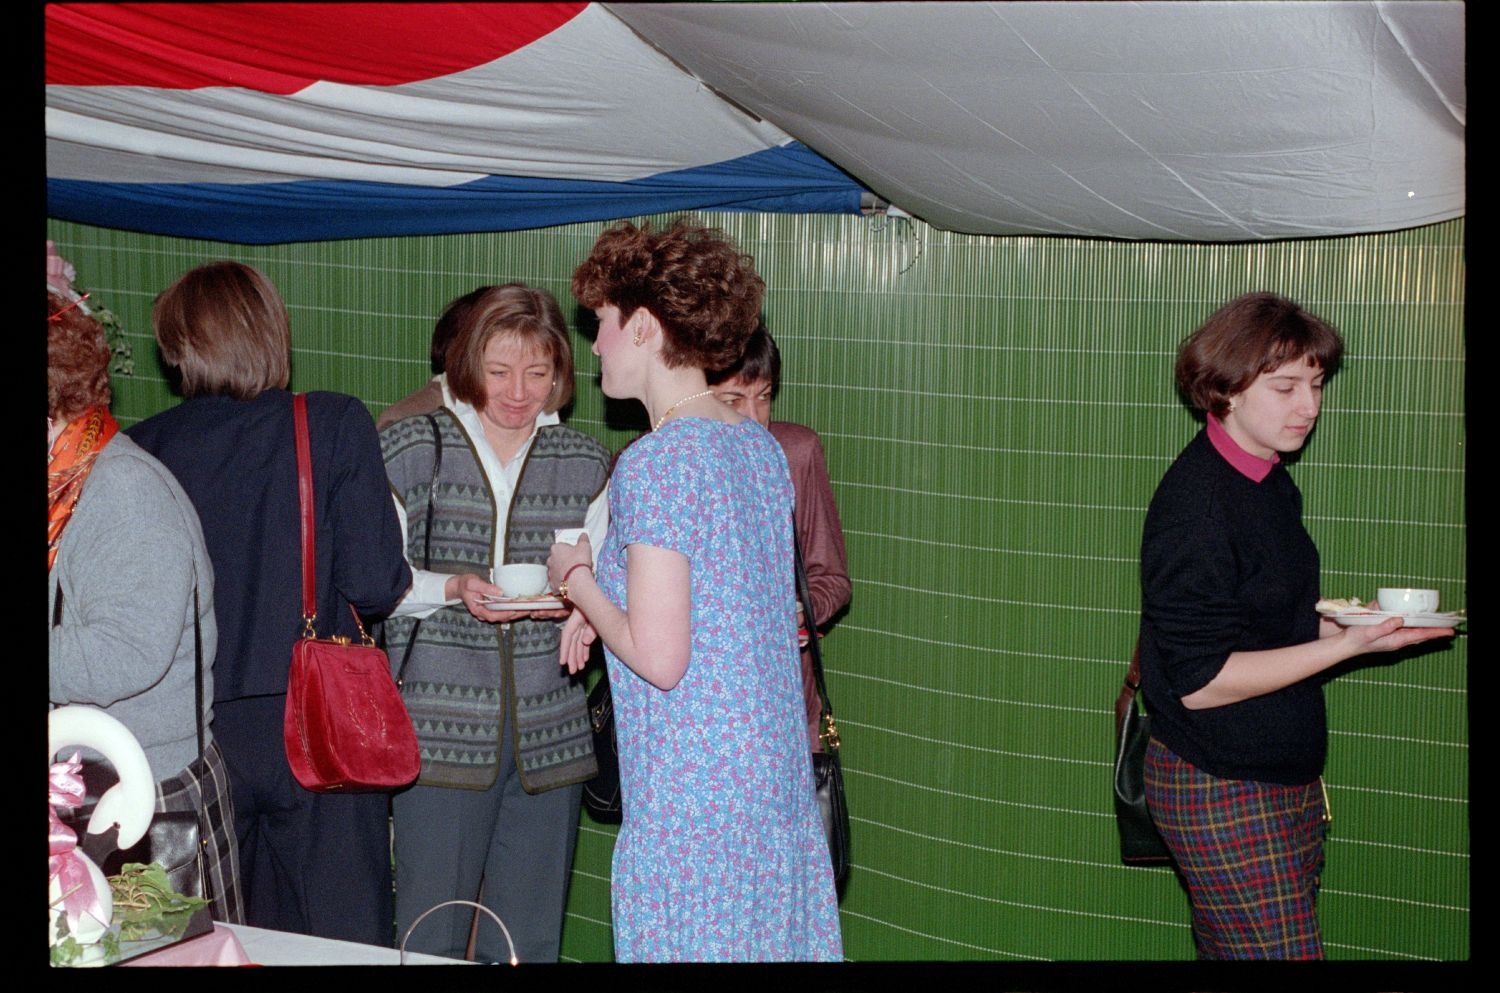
(637, 339)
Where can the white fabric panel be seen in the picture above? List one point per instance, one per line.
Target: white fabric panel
(1182, 121)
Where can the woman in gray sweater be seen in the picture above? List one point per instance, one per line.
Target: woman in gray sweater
(130, 593)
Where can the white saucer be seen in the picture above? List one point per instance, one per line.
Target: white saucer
(1354, 616)
(525, 603)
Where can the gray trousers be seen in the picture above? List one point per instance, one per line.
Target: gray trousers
(520, 844)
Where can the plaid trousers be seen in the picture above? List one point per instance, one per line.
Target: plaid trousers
(1250, 854)
(204, 787)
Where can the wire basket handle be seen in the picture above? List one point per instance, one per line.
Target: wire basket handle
(468, 903)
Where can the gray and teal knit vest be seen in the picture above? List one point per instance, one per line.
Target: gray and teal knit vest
(468, 682)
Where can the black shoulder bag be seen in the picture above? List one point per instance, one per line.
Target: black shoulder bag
(828, 773)
(1140, 844)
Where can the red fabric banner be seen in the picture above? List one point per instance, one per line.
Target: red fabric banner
(284, 47)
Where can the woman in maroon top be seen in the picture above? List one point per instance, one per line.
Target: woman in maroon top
(749, 387)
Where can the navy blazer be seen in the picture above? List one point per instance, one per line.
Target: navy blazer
(237, 461)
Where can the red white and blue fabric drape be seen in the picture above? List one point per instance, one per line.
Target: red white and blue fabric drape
(260, 123)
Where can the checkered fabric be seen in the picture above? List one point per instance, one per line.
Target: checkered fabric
(204, 787)
(1250, 854)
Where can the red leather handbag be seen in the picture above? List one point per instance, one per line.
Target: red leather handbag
(346, 728)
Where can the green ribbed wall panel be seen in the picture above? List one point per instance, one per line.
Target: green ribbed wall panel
(996, 414)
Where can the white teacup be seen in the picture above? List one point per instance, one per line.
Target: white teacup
(520, 579)
(1401, 600)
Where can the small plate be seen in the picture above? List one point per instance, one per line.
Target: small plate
(1353, 617)
(545, 601)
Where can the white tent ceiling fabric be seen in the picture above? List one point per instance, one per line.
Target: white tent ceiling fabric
(1168, 120)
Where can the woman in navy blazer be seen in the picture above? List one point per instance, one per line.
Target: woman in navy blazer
(314, 863)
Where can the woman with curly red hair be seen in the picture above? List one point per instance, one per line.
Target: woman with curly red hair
(721, 854)
(131, 592)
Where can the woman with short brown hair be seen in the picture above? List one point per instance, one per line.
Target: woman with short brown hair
(312, 863)
(524, 313)
(1233, 653)
(696, 283)
(225, 330)
(486, 481)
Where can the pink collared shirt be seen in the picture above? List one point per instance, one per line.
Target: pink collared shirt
(1252, 467)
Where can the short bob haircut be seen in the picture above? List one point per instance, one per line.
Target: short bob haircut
(77, 359)
(702, 289)
(224, 327)
(529, 315)
(760, 363)
(1251, 334)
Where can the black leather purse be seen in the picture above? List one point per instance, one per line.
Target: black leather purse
(601, 795)
(828, 772)
(172, 841)
(1140, 843)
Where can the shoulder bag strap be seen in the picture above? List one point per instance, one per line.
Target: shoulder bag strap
(198, 669)
(829, 732)
(1126, 699)
(437, 465)
(305, 499)
(309, 544)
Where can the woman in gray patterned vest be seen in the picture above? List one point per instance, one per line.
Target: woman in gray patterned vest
(488, 479)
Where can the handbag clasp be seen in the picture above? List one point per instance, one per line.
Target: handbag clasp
(830, 734)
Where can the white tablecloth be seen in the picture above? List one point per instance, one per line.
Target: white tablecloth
(281, 948)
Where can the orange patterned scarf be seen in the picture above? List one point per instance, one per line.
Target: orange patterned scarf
(68, 465)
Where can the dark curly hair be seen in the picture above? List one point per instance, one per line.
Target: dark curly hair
(453, 319)
(701, 288)
(77, 359)
(1249, 335)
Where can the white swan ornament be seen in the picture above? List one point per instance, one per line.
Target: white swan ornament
(130, 804)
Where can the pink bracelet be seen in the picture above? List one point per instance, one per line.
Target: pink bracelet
(562, 586)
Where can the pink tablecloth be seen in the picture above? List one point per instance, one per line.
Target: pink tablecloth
(218, 947)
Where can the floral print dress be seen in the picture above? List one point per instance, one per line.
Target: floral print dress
(721, 854)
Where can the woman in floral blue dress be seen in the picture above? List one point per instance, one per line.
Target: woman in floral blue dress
(721, 854)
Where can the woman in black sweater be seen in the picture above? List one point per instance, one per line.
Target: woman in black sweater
(1233, 653)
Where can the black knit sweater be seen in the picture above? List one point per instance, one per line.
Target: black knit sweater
(1226, 566)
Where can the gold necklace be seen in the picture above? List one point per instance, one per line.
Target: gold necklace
(668, 412)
